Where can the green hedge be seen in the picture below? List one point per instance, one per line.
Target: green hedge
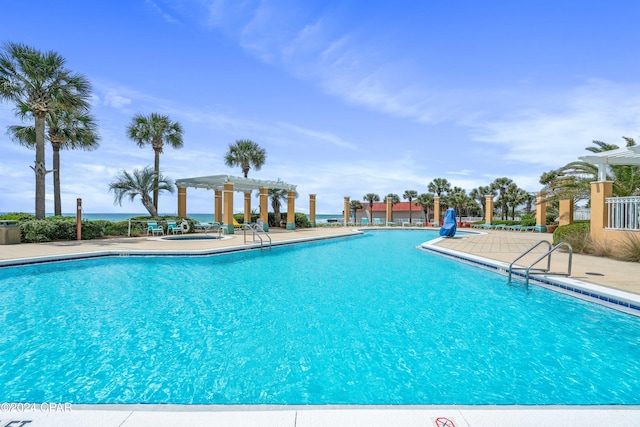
(58, 228)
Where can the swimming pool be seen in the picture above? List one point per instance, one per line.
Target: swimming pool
(360, 320)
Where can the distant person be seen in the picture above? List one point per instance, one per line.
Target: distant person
(449, 227)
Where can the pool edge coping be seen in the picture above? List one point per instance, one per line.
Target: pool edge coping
(616, 299)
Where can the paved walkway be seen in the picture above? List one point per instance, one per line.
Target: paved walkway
(501, 246)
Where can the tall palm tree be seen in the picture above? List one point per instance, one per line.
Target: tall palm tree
(140, 184)
(71, 130)
(410, 195)
(155, 130)
(355, 206)
(458, 199)
(277, 196)
(426, 202)
(371, 197)
(246, 154)
(38, 83)
(395, 199)
(501, 184)
(439, 186)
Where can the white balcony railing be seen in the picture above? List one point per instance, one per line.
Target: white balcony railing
(623, 213)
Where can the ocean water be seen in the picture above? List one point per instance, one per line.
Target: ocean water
(201, 217)
(367, 319)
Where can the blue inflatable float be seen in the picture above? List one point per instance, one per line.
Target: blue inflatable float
(449, 227)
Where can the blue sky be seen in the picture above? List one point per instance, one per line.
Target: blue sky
(347, 97)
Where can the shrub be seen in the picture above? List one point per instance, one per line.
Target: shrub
(59, 228)
(302, 221)
(577, 235)
(17, 216)
(629, 248)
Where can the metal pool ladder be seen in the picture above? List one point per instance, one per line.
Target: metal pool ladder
(256, 232)
(530, 270)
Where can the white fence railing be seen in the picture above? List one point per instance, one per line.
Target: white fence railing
(581, 214)
(623, 213)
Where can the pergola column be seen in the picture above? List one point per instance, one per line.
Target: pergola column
(436, 211)
(541, 214)
(264, 207)
(312, 209)
(228, 207)
(389, 210)
(182, 202)
(247, 207)
(488, 208)
(600, 190)
(346, 210)
(291, 210)
(217, 206)
(566, 212)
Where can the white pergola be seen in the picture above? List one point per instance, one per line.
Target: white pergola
(224, 187)
(217, 182)
(620, 156)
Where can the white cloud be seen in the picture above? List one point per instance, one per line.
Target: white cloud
(556, 131)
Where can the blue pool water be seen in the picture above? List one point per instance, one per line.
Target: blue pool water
(369, 319)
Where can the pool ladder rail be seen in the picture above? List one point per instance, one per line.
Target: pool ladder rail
(257, 232)
(530, 270)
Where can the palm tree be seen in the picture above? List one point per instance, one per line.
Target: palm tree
(459, 200)
(514, 197)
(277, 196)
(501, 184)
(155, 130)
(480, 194)
(38, 83)
(573, 180)
(371, 197)
(355, 206)
(410, 195)
(395, 199)
(140, 184)
(439, 186)
(425, 200)
(245, 153)
(65, 130)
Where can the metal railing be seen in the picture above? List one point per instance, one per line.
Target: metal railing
(623, 213)
(530, 270)
(256, 231)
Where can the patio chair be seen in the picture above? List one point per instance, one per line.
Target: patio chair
(376, 221)
(173, 227)
(154, 228)
(365, 221)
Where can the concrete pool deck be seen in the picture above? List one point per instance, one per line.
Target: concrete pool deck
(501, 246)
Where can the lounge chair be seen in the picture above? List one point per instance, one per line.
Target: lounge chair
(365, 221)
(154, 228)
(376, 221)
(173, 228)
